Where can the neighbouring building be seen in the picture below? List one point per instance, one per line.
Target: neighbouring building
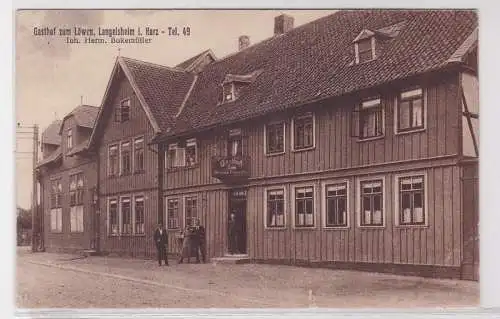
(67, 178)
(348, 142)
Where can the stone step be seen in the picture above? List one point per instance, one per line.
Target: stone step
(231, 259)
(89, 252)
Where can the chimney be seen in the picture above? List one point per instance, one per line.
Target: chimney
(243, 42)
(283, 23)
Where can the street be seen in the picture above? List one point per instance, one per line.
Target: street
(46, 280)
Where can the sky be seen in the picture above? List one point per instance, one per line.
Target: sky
(52, 77)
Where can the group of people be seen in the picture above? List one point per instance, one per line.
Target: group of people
(193, 243)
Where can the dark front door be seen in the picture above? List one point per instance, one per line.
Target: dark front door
(238, 207)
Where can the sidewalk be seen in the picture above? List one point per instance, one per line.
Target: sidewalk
(272, 285)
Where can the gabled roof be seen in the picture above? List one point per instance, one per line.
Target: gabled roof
(57, 155)
(79, 148)
(192, 62)
(314, 62)
(160, 90)
(84, 115)
(51, 134)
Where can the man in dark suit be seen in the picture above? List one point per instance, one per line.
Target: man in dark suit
(200, 241)
(161, 240)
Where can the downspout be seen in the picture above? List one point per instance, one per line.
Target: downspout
(161, 170)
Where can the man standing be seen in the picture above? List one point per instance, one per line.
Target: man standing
(161, 240)
(200, 241)
(233, 233)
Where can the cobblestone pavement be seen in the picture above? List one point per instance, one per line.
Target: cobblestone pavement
(47, 280)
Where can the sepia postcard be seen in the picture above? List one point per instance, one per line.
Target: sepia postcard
(247, 158)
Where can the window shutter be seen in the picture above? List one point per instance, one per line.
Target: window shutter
(355, 118)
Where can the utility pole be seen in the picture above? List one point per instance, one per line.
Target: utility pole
(34, 203)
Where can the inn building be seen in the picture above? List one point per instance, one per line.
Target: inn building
(348, 142)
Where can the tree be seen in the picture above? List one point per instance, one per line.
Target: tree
(23, 219)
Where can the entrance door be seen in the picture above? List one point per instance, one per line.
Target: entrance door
(238, 207)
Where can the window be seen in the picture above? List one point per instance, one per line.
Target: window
(139, 155)
(365, 49)
(113, 217)
(139, 214)
(190, 210)
(371, 119)
(303, 132)
(410, 110)
(113, 160)
(56, 220)
(56, 194)
(122, 113)
(304, 206)
(191, 152)
(372, 207)
(176, 156)
(125, 158)
(275, 210)
(76, 218)
(336, 205)
(76, 202)
(172, 214)
(411, 200)
(126, 216)
(227, 92)
(69, 139)
(234, 145)
(275, 138)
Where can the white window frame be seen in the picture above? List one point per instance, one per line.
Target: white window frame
(179, 202)
(292, 132)
(137, 140)
(266, 151)
(359, 181)
(396, 199)
(326, 183)
(191, 142)
(117, 146)
(373, 46)
(58, 220)
(175, 146)
(134, 202)
(69, 139)
(233, 96)
(76, 224)
(424, 110)
(184, 206)
(108, 204)
(121, 201)
(129, 105)
(120, 159)
(367, 104)
(315, 205)
(285, 206)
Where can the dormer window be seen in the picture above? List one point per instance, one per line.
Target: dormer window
(364, 46)
(233, 85)
(228, 92)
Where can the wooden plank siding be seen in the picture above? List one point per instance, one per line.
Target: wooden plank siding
(142, 183)
(335, 146)
(338, 155)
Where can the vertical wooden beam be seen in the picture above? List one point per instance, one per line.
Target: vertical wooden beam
(469, 121)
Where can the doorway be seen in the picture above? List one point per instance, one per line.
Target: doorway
(238, 206)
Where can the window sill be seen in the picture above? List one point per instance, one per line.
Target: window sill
(56, 232)
(139, 172)
(371, 226)
(360, 140)
(411, 226)
(304, 227)
(275, 228)
(418, 130)
(336, 227)
(182, 168)
(76, 232)
(296, 150)
(275, 154)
